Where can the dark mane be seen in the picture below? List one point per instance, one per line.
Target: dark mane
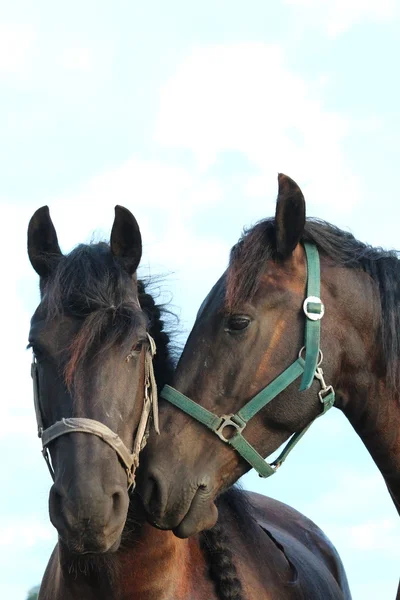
(164, 361)
(257, 245)
(92, 285)
(234, 506)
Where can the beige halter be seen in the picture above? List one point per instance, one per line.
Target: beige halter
(130, 460)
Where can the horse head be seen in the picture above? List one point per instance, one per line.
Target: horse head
(91, 369)
(250, 375)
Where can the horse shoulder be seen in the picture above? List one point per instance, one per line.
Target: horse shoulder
(286, 525)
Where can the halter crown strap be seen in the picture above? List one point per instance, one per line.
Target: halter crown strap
(309, 368)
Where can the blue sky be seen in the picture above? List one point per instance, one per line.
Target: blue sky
(184, 112)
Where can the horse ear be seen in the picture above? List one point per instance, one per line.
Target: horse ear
(43, 248)
(290, 216)
(126, 241)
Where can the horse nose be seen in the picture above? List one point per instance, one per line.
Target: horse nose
(153, 491)
(94, 517)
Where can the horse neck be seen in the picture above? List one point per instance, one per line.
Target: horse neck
(159, 566)
(362, 392)
(374, 414)
(150, 565)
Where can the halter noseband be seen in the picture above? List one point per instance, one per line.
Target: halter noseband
(130, 460)
(309, 368)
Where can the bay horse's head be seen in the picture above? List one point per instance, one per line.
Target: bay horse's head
(247, 361)
(90, 349)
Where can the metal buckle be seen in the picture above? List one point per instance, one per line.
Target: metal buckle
(326, 389)
(228, 421)
(311, 315)
(323, 394)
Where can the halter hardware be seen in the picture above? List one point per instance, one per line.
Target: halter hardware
(130, 460)
(230, 421)
(326, 390)
(309, 367)
(313, 308)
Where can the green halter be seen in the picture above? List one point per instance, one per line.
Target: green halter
(309, 368)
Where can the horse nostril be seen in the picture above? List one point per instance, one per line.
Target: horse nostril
(153, 496)
(56, 499)
(119, 502)
(59, 514)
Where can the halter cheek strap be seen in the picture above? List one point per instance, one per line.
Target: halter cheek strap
(314, 311)
(130, 460)
(309, 368)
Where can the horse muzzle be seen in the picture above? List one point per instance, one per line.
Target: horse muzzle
(90, 522)
(186, 512)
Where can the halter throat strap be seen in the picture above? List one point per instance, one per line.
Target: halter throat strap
(309, 368)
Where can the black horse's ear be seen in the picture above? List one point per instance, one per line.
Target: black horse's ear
(290, 216)
(126, 241)
(43, 249)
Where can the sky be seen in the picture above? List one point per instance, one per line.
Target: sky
(184, 112)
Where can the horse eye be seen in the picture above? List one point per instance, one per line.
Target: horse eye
(237, 323)
(137, 346)
(135, 349)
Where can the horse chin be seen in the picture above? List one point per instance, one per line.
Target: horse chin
(198, 518)
(188, 512)
(92, 546)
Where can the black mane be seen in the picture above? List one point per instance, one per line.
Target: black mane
(233, 505)
(164, 362)
(91, 284)
(257, 245)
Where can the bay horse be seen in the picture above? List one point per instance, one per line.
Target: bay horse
(298, 295)
(249, 330)
(91, 363)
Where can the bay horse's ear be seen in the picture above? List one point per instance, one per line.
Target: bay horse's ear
(43, 249)
(290, 216)
(126, 241)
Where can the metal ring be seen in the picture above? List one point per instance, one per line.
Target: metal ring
(320, 355)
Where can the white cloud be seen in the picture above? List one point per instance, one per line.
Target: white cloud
(16, 42)
(243, 97)
(337, 16)
(77, 59)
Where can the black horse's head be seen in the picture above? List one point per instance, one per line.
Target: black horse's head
(88, 323)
